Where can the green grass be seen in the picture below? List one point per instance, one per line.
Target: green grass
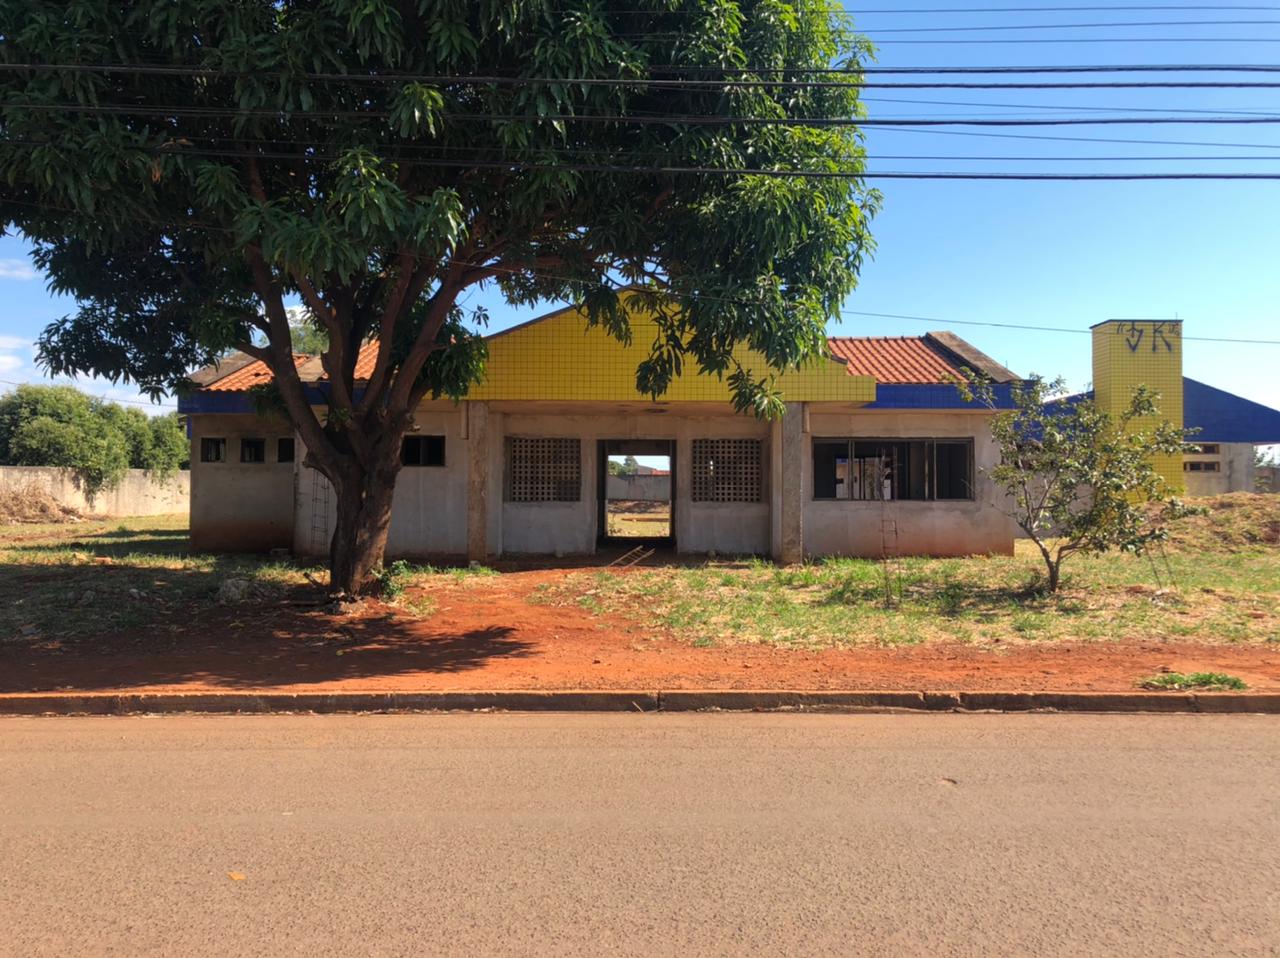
(89, 578)
(1205, 681)
(1219, 597)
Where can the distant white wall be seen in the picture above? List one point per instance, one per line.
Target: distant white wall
(138, 494)
(1236, 471)
(640, 488)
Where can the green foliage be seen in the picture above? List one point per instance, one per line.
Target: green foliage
(338, 153)
(145, 217)
(628, 467)
(61, 426)
(1076, 479)
(1204, 681)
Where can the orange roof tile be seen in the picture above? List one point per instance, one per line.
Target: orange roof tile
(890, 359)
(367, 359)
(246, 377)
(893, 359)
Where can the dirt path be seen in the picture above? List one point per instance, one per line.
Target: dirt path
(484, 633)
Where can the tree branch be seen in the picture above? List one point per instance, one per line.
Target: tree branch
(279, 356)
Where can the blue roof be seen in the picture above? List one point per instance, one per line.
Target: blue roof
(1219, 416)
(1225, 417)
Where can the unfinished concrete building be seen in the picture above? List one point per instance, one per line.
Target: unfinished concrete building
(876, 451)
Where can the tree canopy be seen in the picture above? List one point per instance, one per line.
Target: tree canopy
(97, 440)
(189, 169)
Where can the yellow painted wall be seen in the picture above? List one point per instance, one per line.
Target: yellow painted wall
(1132, 353)
(559, 358)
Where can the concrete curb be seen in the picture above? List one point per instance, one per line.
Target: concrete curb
(725, 700)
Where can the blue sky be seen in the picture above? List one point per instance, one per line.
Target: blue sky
(1043, 253)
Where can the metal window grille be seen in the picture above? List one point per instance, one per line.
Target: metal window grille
(727, 470)
(544, 470)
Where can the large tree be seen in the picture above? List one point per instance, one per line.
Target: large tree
(190, 169)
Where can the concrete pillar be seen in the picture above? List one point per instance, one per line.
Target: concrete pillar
(788, 495)
(476, 429)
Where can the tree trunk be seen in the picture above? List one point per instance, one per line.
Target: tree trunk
(359, 541)
(1055, 568)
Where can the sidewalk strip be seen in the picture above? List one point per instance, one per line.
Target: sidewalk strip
(675, 700)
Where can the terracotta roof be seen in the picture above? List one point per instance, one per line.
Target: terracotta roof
(247, 376)
(366, 360)
(932, 358)
(895, 359)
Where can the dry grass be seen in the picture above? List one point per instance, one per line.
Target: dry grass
(31, 502)
(1238, 520)
(1217, 581)
(639, 520)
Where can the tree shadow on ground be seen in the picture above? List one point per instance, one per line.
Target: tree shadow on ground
(134, 611)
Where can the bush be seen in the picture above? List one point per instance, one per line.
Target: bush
(99, 441)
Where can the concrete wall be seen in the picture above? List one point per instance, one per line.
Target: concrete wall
(640, 488)
(137, 495)
(429, 511)
(569, 528)
(1236, 471)
(437, 513)
(853, 528)
(235, 506)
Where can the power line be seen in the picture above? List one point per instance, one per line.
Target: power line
(861, 12)
(579, 151)
(644, 119)
(673, 69)
(472, 163)
(854, 312)
(1081, 139)
(1072, 26)
(627, 82)
(740, 302)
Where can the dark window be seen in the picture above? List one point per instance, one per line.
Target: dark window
(544, 470)
(889, 469)
(952, 475)
(727, 470)
(253, 450)
(284, 449)
(1202, 467)
(831, 469)
(213, 450)
(1208, 449)
(422, 451)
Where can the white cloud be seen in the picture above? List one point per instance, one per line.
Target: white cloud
(10, 343)
(9, 362)
(17, 269)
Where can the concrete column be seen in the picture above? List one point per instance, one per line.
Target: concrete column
(476, 426)
(788, 496)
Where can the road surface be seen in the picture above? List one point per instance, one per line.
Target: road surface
(641, 834)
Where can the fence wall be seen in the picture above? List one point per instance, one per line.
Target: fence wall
(137, 495)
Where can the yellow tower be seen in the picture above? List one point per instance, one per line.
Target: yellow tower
(1132, 353)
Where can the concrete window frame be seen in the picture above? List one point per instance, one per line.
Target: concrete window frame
(920, 481)
(213, 449)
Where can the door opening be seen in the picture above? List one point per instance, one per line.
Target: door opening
(637, 490)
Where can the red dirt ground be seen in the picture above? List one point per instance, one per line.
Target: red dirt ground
(482, 637)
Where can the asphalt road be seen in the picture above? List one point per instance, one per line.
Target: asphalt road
(641, 834)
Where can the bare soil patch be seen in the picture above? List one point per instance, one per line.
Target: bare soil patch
(109, 605)
(32, 503)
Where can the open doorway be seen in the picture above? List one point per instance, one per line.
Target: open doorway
(636, 490)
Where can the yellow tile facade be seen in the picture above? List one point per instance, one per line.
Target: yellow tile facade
(1132, 353)
(559, 358)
